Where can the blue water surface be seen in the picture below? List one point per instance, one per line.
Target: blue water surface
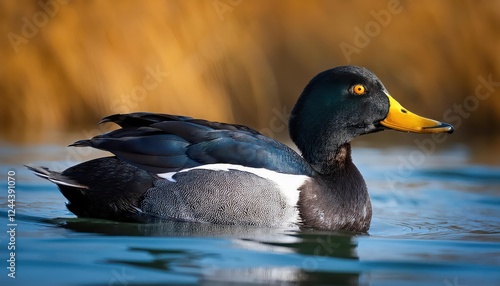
(436, 221)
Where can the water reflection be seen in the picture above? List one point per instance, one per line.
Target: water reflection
(258, 249)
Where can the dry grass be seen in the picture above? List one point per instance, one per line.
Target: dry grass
(242, 65)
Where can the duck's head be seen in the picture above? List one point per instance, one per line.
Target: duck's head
(344, 102)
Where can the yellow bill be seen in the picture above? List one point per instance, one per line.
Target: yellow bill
(399, 118)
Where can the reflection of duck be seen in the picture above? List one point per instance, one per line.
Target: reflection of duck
(179, 168)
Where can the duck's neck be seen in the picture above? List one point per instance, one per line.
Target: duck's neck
(338, 193)
(330, 162)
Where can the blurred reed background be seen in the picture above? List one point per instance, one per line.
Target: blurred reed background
(65, 64)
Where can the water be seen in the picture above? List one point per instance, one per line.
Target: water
(436, 222)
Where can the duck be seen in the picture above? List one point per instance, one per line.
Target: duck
(177, 168)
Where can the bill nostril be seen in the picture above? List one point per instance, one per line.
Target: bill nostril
(404, 111)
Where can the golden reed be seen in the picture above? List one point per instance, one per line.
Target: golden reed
(65, 64)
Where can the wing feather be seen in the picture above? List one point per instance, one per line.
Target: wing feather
(161, 143)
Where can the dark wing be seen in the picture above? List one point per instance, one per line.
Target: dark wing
(161, 143)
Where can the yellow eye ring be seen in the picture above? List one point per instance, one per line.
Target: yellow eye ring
(359, 89)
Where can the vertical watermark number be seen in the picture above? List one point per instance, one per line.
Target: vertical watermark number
(11, 223)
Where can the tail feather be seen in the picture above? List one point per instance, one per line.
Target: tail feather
(41, 172)
(54, 177)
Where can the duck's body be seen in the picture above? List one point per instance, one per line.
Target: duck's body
(177, 168)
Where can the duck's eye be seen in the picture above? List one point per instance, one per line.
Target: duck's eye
(359, 89)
